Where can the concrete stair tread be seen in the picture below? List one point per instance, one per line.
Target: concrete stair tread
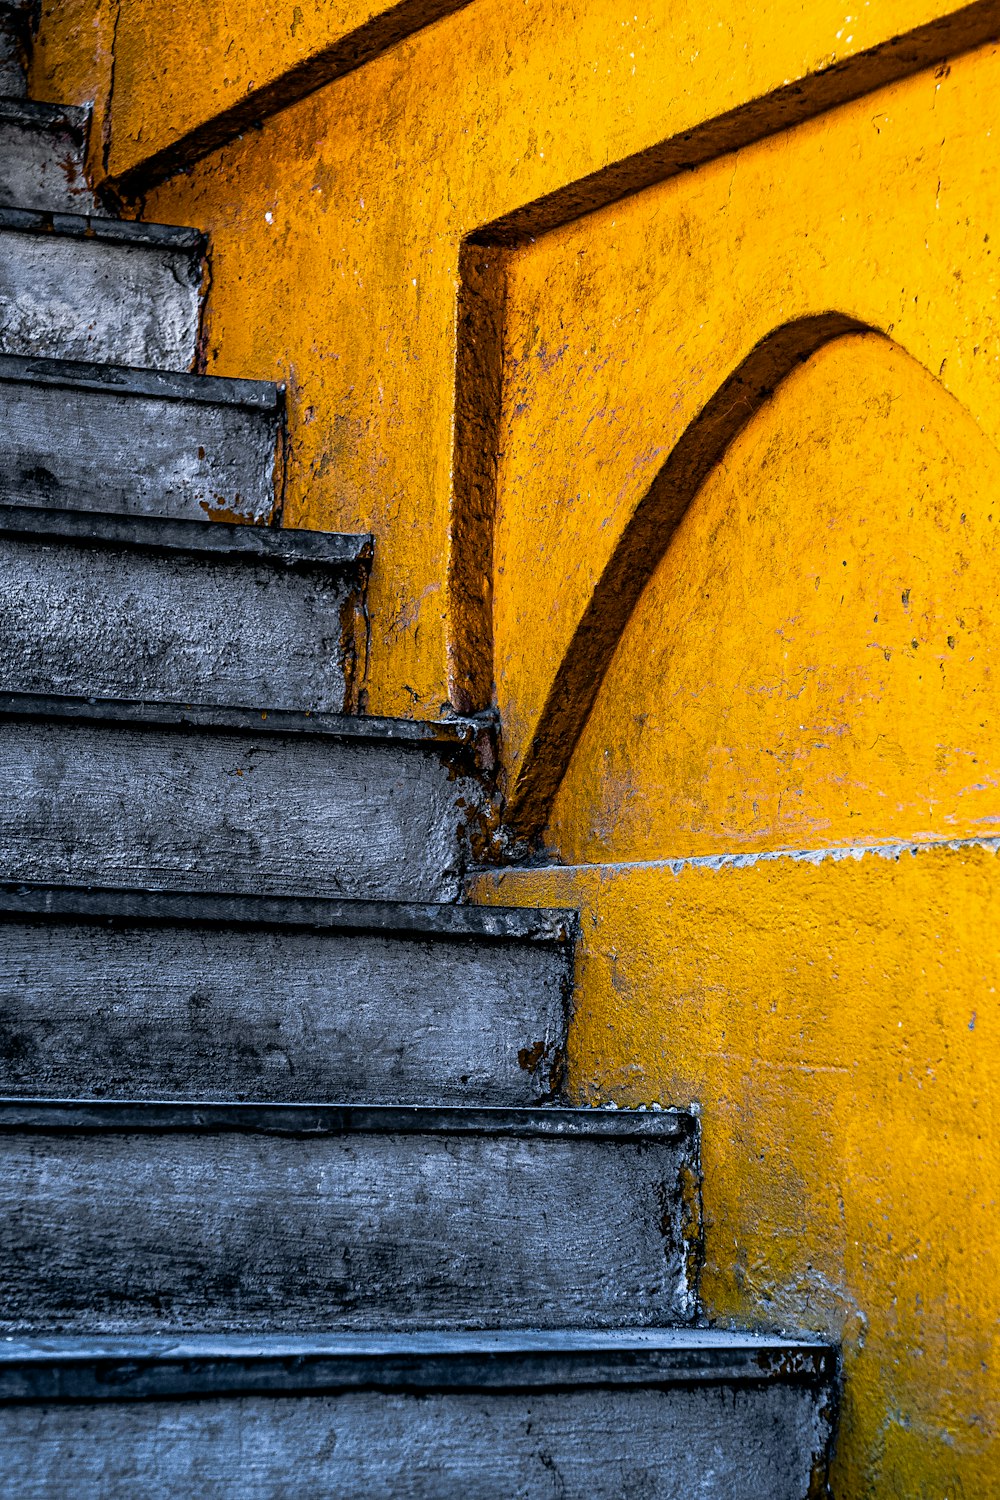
(87, 287)
(163, 1216)
(15, 25)
(234, 541)
(42, 146)
(140, 1366)
(86, 435)
(144, 994)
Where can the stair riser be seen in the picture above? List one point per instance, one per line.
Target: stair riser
(742, 1443)
(166, 809)
(43, 168)
(136, 454)
(13, 35)
(201, 1012)
(69, 297)
(92, 621)
(123, 1233)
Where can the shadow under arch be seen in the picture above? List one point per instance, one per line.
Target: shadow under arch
(641, 547)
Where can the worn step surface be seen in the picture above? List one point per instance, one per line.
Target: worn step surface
(73, 287)
(662, 1414)
(42, 148)
(15, 21)
(127, 994)
(133, 1217)
(166, 797)
(139, 607)
(91, 437)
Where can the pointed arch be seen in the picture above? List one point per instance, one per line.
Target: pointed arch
(641, 547)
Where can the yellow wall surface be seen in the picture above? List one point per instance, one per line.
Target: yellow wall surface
(696, 473)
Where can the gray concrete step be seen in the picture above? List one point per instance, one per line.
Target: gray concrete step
(73, 287)
(102, 437)
(42, 149)
(134, 994)
(15, 24)
(131, 1217)
(169, 797)
(662, 1414)
(113, 606)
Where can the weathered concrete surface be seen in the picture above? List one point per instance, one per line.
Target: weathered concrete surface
(142, 618)
(417, 1007)
(13, 36)
(89, 436)
(99, 289)
(190, 806)
(717, 1443)
(42, 156)
(254, 1218)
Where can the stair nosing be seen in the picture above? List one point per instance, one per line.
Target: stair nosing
(74, 117)
(22, 900)
(431, 734)
(96, 227)
(24, 1115)
(144, 1366)
(288, 547)
(128, 380)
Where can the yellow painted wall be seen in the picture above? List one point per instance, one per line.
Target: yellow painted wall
(621, 326)
(809, 665)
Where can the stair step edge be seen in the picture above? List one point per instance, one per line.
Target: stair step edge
(223, 1117)
(141, 1367)
(72, 117)
(98, 227)
(126, 380)
(289, 547)
(441, 734)
(21, 900)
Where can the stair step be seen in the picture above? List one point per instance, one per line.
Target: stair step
(73, 287)
(136, 994)
(15, 25)
(169, 797)
(42, 149)
(106, 605)
(103, 437)
(152, 1217)
(665, 1414)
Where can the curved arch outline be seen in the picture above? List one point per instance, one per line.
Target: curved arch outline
(641, 547)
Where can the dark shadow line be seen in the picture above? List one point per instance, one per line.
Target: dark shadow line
(794, 103)
(349, 52)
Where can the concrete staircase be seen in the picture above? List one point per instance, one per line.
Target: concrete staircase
(292, 1203)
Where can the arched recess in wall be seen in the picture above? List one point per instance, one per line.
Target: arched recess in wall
(646, 538)
(641, 546)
